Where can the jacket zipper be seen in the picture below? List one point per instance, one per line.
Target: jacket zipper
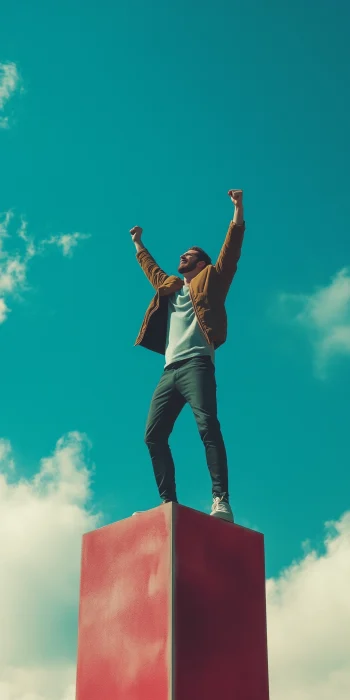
(197, 316)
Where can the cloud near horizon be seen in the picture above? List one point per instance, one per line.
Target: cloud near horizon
(308, 608)
(325, 315)
(14, 264)
(9, 83)
(42, 520)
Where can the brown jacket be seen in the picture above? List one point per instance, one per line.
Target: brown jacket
(208, 292)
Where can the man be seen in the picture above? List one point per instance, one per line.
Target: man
(186, 322)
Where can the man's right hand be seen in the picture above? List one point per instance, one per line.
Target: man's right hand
(136, 234)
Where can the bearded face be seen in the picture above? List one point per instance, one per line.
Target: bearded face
(188, 262)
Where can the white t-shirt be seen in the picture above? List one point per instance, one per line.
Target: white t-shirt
(185, 338)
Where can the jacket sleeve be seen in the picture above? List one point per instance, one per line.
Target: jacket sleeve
(153, 272)
(226, 264)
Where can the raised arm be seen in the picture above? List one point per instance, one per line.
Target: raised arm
(226, 264)
(153, 272)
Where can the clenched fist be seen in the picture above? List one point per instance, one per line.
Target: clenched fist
(136, 234)
(237, 197)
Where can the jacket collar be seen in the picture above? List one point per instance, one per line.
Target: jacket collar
(171, 285)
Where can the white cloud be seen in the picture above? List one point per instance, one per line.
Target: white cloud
(13, 274)
(309, 623)
(14, 264)
(5, 220)
(6, 462)
(9, 82)
(325, 314)
(66, 241)
(5, 449)
(38, 683)
(3, 311)
(42, 520)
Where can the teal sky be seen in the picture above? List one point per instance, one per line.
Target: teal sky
(131, 113)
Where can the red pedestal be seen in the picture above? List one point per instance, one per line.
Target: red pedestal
(172, 607)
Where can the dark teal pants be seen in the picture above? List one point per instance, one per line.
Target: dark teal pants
(190, 381)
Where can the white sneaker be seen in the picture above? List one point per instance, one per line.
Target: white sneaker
(222, 509)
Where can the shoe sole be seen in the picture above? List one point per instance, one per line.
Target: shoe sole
(222, 516)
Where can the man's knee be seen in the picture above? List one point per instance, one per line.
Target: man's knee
(209, 429)
(154, 436)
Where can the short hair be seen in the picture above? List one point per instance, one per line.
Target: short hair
(202, 255)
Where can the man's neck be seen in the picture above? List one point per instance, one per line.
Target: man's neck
(189, 277)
